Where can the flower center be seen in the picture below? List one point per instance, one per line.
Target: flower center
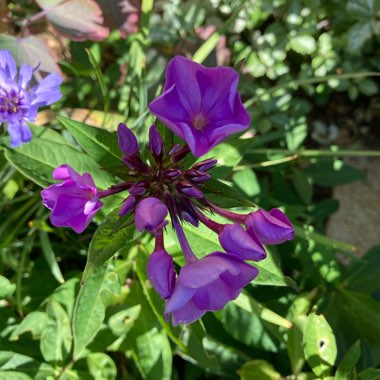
(10, 102)
(199, 122)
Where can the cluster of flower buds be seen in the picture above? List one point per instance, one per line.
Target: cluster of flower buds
(208, 108)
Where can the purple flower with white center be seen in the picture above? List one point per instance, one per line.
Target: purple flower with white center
(19, 101)
(271, 227)
(73, 202)
(200, 105)
(208, 284)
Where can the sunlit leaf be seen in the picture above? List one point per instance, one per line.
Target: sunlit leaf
(78, 19)
(31, 50)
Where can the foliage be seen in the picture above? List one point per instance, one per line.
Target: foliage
(308, 315)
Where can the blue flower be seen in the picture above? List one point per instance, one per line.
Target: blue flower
(19, 102)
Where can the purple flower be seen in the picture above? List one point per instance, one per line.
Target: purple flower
(161, 273)
(19, 102)
(73, 202)
(245, 244)
(271, 227)
(200, 105)
(208, 284)
(150, 215)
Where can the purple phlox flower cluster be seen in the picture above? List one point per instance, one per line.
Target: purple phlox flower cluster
(19, 101)
(162, 187)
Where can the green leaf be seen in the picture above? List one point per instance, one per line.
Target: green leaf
(247, 327)
(101, 366)
(225, 195)
(98, 143)
(333, 173)
(358, 34)
(14, 375)
(365, 273)
(35, 323)
(355, 305)
(258, 370)
(368, 87)
(246, 302)
(10, 361)
(89, 311)
(105, 243)
(303, 185)
(6, 287)
(370, 374)
(56, 337)
(49, 254)
(294, 344)
(361, 8)
(319, 345)
(247, 181)
(47, 150)
(302, 44)
(346, 366)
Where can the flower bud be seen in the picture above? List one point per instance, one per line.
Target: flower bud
(127, 140)
(139, 188)
(271, 227)
(190, 190)
(150, 215)
(127, 206)
(205, 165)
(156, 144)
(161, 273)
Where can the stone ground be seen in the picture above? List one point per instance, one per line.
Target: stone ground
(358, 219)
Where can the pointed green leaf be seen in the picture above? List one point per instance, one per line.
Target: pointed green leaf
(319, 345)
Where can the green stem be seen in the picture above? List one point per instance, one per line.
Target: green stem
(302, 82)
(319, 152)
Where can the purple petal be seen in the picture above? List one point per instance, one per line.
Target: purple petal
(189, 313)
(180, 297)
(161, 273)
(235, 239)
(25, 76)
(215, 296)
(150, 215)
(181, 72)
(19, 133)
(207, 270)
(47, 91)
(61, 172)
(8, 64)
(127, 140)
(163, 107)
(271, 227)
(68, 212)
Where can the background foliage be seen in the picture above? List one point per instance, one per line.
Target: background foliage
(308, 70)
